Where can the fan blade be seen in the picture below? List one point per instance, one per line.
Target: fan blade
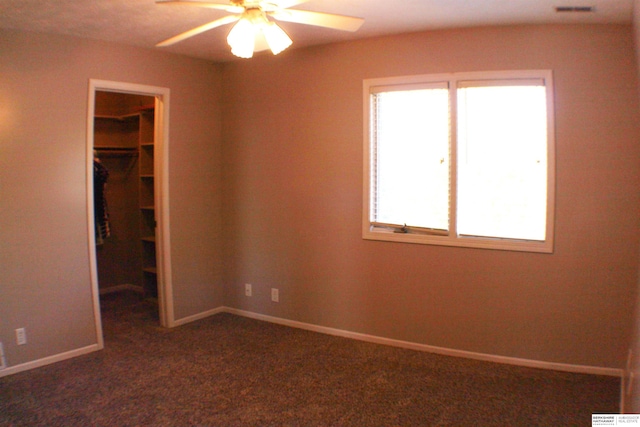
(327, 20)
(281, 4)
(226, 7)
(201, 29)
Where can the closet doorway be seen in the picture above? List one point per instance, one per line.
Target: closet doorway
(127, 194)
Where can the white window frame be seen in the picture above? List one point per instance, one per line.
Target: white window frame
(374, 232)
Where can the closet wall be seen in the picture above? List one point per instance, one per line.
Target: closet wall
(117, 125)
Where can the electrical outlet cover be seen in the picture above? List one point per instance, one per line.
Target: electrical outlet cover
(21, 336)
(3, 361)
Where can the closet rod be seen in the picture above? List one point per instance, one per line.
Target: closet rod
(106, 148)
(117, 151)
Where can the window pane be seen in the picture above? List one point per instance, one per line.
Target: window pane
(410, 158)
(502, 162)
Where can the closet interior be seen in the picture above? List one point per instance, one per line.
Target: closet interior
(124, 193)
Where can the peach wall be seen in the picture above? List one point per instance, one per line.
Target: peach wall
(293, 200)
(44, 264)
(636, 28)
(631, 394)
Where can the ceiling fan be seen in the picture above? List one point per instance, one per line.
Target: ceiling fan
(253, 30)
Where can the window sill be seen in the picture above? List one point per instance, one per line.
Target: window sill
(459, 241)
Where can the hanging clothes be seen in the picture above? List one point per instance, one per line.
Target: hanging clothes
(101, 213)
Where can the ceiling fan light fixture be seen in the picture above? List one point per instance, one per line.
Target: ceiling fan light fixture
(276, 38)
(254, 23)
(253, 31)
(241, 38)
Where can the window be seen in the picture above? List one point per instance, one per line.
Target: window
(461, 160)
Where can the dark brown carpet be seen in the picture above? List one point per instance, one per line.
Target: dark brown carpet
(232, 371)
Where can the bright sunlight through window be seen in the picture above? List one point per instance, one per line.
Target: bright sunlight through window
(461, 160)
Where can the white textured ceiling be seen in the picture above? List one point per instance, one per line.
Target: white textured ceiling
(145, 23)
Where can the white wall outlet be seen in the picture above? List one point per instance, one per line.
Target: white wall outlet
(21, 336)
(248, 291)
(275, 295)
(3, 361)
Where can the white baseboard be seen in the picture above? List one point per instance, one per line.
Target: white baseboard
(581, 369)
(49, 360)
(120, 288)
(198, 316)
